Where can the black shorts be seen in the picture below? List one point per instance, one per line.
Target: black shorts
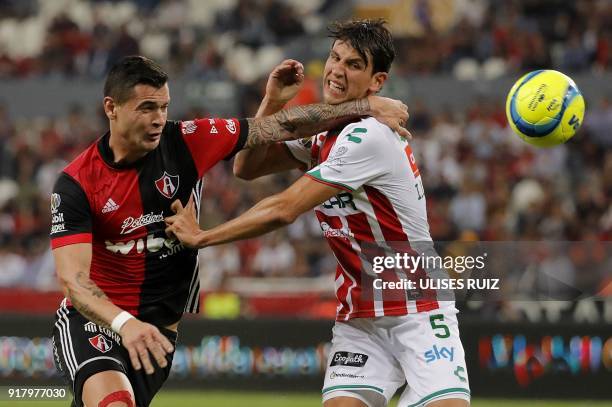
(82, 349)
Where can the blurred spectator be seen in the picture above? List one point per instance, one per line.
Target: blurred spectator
(123, 45)
(492, 36)
(468, 208)
(275, 258)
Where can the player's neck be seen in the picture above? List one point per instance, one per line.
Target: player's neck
(122, 153)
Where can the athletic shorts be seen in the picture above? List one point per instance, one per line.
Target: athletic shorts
(371, 358)
(82, 348)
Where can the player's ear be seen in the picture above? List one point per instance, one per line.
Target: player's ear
(377, 82)
(110, 107)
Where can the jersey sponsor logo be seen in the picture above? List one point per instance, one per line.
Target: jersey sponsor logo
(90, 327)
(152, 244)
(58, 228)
(167, 185)
(110, 206)
(230, 125)
(349, 359)
(459, 372)
(334, 375)
(436, 353)
(189, 127)
(101, 343)
(329, 232)
(341, 200)
(130, 224)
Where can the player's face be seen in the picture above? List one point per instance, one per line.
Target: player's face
(141, 119)
(347, 76)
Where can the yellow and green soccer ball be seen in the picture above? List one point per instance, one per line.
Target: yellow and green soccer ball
(545, 108)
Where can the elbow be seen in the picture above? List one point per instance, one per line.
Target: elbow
(67, 286)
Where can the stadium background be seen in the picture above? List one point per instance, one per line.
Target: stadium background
(268, 303)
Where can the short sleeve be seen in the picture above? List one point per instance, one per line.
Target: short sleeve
(301, 149)
(356, 158)
(70, 213)
(212, 140)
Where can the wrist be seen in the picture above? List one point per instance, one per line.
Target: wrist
(202, 240)
(272, 103)
(120, 320)
(368, 105)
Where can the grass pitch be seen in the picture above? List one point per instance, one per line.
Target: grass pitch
(179, 398)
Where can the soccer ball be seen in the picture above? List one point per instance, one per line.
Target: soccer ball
(545, 108)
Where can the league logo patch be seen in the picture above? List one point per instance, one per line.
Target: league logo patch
(349, 359)
(231, 126)
(101, 343)
(189, 127)
(167, 185)
(55, 202)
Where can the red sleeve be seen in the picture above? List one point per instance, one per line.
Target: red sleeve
(211, 140)
(70, 214)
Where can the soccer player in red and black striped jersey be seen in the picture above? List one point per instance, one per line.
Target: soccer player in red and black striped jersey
(366, 190)
(126, 283)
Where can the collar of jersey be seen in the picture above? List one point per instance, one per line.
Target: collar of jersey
(109, 158)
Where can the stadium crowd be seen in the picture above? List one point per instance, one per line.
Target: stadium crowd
(482, 182)
(215, 39)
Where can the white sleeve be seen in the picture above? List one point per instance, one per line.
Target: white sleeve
(301, 149)
(356, 158)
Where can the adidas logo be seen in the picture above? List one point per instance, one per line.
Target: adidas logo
(91, 327)
(110, 206)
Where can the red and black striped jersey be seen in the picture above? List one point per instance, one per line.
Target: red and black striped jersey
(120, 210)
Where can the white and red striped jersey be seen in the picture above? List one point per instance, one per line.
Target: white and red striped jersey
(383, 202)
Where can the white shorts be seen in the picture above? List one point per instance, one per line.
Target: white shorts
(371, 358)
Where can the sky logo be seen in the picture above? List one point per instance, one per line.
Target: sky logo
(439, 353)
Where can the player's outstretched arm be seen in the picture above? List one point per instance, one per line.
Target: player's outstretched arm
(269, 214)
(284, 82)
(73, 263)
(303, 121)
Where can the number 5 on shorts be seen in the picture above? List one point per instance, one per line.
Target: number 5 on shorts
(435, 325)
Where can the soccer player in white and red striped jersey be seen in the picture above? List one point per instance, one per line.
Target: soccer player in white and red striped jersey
(365, 187)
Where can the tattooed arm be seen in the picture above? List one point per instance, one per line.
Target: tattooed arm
(73, 263)
(303, 121)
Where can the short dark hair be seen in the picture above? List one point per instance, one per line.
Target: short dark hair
(367, 36)
(131, 71)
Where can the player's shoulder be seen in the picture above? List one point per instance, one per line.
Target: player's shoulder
(369, 132)
(84, 162)
(367, 125)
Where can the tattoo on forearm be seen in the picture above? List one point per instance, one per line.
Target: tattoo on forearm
(286, 124)
(84, 281)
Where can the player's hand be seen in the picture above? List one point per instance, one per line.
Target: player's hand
(143, 340)
(391, 112)
(184, 224)
(285, 81)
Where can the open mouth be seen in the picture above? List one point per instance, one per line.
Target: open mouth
(335, 87)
